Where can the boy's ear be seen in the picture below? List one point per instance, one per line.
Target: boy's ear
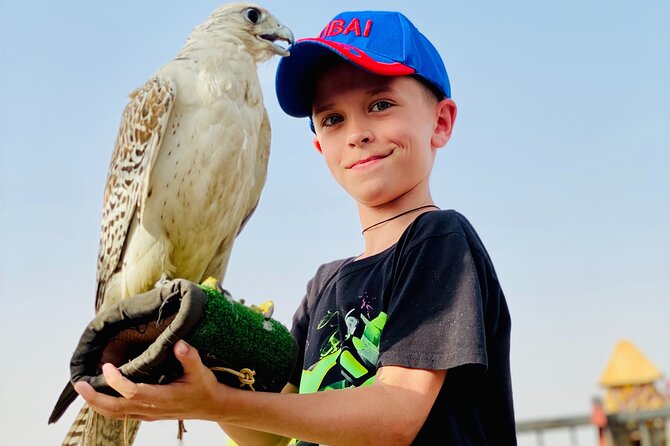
(317, 145)
(446, 116)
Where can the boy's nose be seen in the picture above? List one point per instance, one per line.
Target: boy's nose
(359, 136)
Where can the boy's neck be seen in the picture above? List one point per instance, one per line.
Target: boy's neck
(381, 237)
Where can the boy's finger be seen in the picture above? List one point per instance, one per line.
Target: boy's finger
(188, 356)
(105, 404)
(118, 382)
(85, 390)
(194, 369)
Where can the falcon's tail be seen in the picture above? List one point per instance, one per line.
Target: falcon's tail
(75, 436)
(64, 400)
(92, 429)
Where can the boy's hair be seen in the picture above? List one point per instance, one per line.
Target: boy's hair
(381, 42)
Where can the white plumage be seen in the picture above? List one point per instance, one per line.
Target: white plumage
(187, 171)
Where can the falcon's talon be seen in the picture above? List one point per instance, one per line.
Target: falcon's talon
(163, 281)
(265, 308)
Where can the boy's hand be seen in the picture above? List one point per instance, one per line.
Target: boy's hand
(191, 396)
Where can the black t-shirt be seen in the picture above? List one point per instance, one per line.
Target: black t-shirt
(431, 301)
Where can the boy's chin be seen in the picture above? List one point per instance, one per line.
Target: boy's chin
(375, 199)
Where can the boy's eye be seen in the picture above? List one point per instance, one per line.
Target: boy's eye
(331, 120)
(381, 106)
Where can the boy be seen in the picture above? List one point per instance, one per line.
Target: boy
(410, 338)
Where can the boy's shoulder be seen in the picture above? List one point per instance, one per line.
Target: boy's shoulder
(445, 223)
(328, 268)
(327, 271)
(442, 222)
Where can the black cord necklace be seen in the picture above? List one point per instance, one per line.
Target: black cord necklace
(399, 215)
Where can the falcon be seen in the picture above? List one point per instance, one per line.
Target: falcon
(186, 174)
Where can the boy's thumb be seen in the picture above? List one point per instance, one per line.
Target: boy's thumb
(189, 358)
(185, 353)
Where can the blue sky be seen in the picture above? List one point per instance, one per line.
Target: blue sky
(560, 159)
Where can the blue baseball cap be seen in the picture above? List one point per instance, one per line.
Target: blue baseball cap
(381, 42)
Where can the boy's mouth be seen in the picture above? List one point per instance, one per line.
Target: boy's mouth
(368, 160)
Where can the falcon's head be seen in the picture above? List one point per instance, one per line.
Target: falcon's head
(253, 25)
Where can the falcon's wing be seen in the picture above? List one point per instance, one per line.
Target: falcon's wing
(139, 139)
(260, 174)
(219, 262)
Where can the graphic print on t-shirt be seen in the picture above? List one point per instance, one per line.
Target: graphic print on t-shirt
(348, 356)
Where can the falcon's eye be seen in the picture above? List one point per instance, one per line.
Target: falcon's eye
(253, 15)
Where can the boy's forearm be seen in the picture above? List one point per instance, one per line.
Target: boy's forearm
(248, 437)
(376, 414)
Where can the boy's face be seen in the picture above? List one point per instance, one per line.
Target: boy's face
(378, 134)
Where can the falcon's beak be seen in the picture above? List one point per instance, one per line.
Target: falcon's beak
(281, 33)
